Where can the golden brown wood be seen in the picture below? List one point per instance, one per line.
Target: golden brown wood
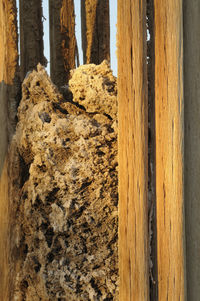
(95, 31)
(8, 68)
(62, 40)
(169, 149)
(133, 174)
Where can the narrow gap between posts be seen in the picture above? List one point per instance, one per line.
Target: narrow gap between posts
(153, 281)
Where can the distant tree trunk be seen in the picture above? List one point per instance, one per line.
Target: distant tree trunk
(62, 40)
(169, 149)
(95, 31)
(133, 151)
(31, 35)
(191, 30)
(8, 96)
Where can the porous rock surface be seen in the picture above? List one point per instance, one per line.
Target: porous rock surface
(66, 222)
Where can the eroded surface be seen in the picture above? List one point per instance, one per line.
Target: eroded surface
(65, 230)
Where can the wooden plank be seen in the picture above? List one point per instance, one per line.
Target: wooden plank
(62, 40)
(95, 24)
(8, 68)
(169, 149)
(133, 151)
(31, 36)
(191, 33)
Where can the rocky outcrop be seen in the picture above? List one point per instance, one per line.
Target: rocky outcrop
(65, 229)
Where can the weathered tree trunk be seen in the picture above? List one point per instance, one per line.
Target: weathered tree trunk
(192, 144)
(169, 149)
(62, 40)
(8, 92)
(133, 151)
(95, 31)
(31, 36)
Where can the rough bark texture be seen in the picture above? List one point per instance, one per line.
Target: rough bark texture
(62, 40)
(66, 227)
(95, 31)
(191, 27)
(133, 151)
(31, 36)
(169, 149)
(8, 100)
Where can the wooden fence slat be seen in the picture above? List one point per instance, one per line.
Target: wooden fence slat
(95, 31)
(133, 151)
(191, 34)
(31, 36)
(62, 40)
(169, 149)
(8, 68)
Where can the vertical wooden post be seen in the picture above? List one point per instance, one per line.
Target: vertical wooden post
(31, 36)
(62, 40)
(95, 31)
(8, 69)
(191, 39)
(169, 149)
(133, 149)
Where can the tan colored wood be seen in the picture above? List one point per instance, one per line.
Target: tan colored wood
(8, 68)
(133, 149)
(169, 149)
(95, 31)
(62, 40)
(31, 36)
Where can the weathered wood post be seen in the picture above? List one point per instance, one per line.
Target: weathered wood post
(31, 36)
(62, 40)
(133, 150)
(95, 31)
(191, 33)
(169, 149)
(8, 69)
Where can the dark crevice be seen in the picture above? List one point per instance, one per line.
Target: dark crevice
(153, 280)
(24, 168)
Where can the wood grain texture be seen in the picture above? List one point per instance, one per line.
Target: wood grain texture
(191, 34)
(169, 149)
(31, 36)
(8, 68)
(95, 24)
(62, 40)
(133, 169)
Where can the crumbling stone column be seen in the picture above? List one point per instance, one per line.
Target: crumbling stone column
(66, 199)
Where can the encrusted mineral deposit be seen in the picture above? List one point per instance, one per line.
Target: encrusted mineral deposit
(65, 230)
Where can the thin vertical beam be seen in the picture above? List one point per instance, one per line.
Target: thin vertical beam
(95, 31)
(62, 40)
(133, 151)
(31, 36)
(8, 69)
(191, 33)
(169, 149)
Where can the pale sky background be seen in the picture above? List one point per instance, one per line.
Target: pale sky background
(113, 30)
